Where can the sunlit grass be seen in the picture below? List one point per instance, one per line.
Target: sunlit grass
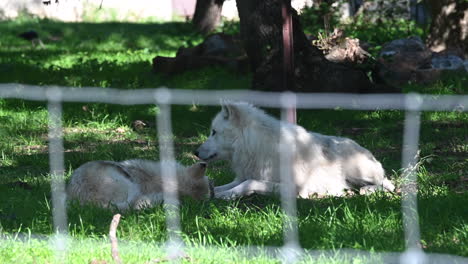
(96, 249)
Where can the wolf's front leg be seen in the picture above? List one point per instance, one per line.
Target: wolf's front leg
(147, 201)
(248, 187)
(228, 186)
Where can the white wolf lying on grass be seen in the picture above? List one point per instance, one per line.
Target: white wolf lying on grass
(133, 183)
(322, 165)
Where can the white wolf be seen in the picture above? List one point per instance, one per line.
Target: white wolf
(323, 165)
(133, 183)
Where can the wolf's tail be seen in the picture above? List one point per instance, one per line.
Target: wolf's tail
(387, 184)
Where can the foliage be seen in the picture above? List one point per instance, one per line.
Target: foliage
(383, 32)
(229, 27)
(119, 55)
(312, 18)
(374, 27)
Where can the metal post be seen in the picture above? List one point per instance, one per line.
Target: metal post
(288, 54)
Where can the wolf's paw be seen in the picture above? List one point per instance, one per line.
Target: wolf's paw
(226, 195)
(142, 203)
(370, 189)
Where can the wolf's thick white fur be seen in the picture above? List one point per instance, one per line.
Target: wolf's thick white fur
(323, 165)
(133, 183)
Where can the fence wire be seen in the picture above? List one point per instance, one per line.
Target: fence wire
(170, 186)
(56, 161)
(291, 252)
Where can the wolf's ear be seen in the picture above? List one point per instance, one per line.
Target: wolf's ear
(225, 108)
(197, 170)
(231, 112)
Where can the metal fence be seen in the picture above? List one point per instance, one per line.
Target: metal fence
(412, 104)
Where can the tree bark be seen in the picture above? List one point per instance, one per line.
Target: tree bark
(261, 33)
(207, 15)
(449, 26)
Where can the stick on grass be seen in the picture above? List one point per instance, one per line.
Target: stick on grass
(113, 239)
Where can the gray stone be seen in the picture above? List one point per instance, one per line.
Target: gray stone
(411, 44)
(448, 62)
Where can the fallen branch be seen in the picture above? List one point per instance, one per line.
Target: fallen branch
(113, 239)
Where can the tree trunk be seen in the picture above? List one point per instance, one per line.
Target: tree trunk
(207, 15)
(449, 26)
(261, 33)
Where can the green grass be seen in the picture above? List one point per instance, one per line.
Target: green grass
(118, 55)
(78, 251)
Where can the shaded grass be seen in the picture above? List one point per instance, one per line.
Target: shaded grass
(119, 55)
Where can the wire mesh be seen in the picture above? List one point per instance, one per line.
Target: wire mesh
(413, 104)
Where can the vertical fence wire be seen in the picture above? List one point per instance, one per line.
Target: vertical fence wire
(291, 248)
(409, 204)
(56, 160)
(168, 169)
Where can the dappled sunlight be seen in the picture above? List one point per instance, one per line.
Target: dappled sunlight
(75, 34)
(103, 55)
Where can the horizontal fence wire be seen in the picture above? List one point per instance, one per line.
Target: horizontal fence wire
(413, 104)
(213, 97)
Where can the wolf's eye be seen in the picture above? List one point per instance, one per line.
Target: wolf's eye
(213, 132)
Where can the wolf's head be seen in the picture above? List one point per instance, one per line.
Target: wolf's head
(226, 128)
(195, 184)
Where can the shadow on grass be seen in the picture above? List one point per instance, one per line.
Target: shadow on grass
(104, 55)
(86, 35)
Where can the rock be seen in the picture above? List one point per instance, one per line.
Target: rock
(217, 49)
(409, 60)
(350, 59)
(405, 66)
(218, 45)
(29, 35)
(448, 62)
(411, 44)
